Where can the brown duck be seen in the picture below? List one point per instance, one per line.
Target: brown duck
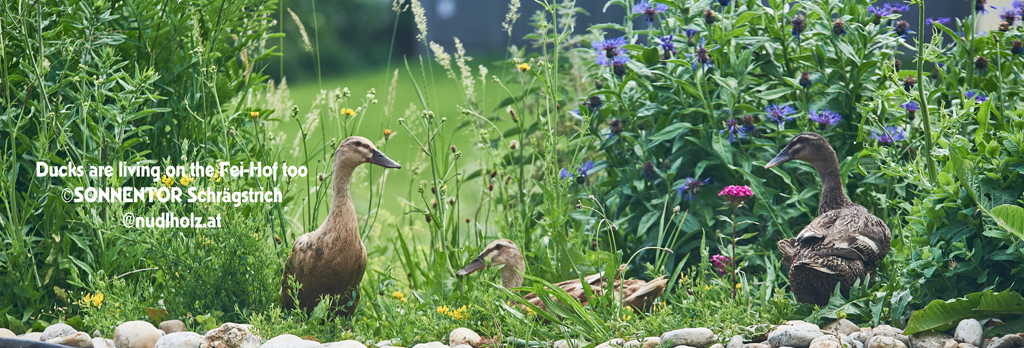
(331, 260)
(637, 293)
(844, 243)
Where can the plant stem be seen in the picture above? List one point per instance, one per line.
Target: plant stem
(924, 103)
(732, 260)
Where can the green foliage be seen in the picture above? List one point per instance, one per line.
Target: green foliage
(941, 315)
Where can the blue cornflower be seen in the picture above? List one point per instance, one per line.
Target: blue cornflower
(691, 188)
(839, 27)
(890, 135)
(583, 172)
(1018, 5)
(1009, 15)
(700, 56)
(825, 117)
(690, 33)
(667, 44)
(896, 8)
(912, 108)
(798, 24)
(609, 46)
(1017, 47)
(879, 12)
(576, 113)
(650, 9)
(724, 3)
(618, 60)
(931, 21)
(565, 174)
(734, 128)
(978, 97)
(980, 6)
(779, 113)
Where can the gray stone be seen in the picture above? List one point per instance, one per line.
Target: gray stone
(77, 339)
(801, 325)
(632, 344)
(179, 340)
(650, 342)
(5, 333)
(96, 334)
(31, 336)
(567, 344)
(756, 345)
(969, 331)
(136, 334)
(385, 343)
(889, 331)
(826, 341)
(463, 346)
(295, 344)
(1008, 341)
(613, 343)
(966, 345)
(717, 345)
(884, 342)
(929, 339)
(696, 337)
(281, 339)
(230, 335)
(172, 326)
(464, 336)
(735, 342)
(841, 326)
(99, 342)
(789, 337)
(344, 344)
(57, 331)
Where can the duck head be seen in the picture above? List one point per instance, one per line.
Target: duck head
(807, 147)
(500, 252)
(358, 150)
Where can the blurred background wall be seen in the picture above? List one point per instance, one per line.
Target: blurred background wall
(355, 35)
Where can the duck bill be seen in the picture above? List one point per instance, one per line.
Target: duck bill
(379, 159)
(781, 158)
(476, 265)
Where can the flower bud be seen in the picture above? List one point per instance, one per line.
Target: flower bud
(387, 134)
(454, 150)
(513, 113)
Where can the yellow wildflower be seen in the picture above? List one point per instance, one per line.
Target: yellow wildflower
(524, 67)
(185, 180)
(254, 114)
(387, 134)
(398, 295)
(707, 287)
(168, 181)
(348, 112)
(97, 300)
(739, 286)
(443, 310)
(216, 176)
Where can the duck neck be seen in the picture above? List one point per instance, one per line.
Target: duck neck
(342, 216)
(512, 274)
(833, 194)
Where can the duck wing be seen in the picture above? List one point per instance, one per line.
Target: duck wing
(574, 288)
(851, 232)
(641, 294)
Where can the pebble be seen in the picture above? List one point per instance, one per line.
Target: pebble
(826, 341)
(884, 342)
(386, 343)
(1008, 341)
(434, 344)
(851, 343)
(632, 344)
(464, 336)
(789, 337)
(841, 327)
(99, 342)
(57, 331)
(802, 325)
(735, 342)
(344, 344)
(651, 342)
(230, 335)
(281, 339)
(96, 334)
(31, 336)
(179, 340)
(862, 336)
(698, 337)
(5, 333)
(889, 331)
(172, 326)
(966, 345)
(717, 345)
(615, 342)
(929, 339)
(463, 346)
(77, 339)
(567, 344)
(968, 331)
(136, 334)
(756, 345)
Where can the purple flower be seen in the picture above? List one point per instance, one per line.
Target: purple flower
(798, 24)
(690, 33)
(733, 127)
(839, 27)
(825, 117)
(896, 8)
(779, 113)
(691, 188)
(667, 45)
(1009, 15)
(931, 21)
(610, 46)
(980, 6)
(724, 3)
(1018, 5)
(618, 60)
(879, 12)
(650, 9)
(721, 263)
(584, 170)
(576, 113)
(911, 106)
(565, 174)
(903, 29)
(978, 97)
(890, 135)
(700, 56)
(1017, 47)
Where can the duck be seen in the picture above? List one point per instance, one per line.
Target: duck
(638, 294)
(843, 244)
(331, 260)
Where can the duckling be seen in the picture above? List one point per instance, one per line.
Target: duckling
(332, 260)
(638, 294)
(843, 244)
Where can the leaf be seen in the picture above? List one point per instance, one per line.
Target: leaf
(670, 132)
(775, 93)
(939, 315)
(1011, 218)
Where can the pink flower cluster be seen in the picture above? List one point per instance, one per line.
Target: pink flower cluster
(736, 195)
(721, 263)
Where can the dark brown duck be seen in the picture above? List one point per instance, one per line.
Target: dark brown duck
(843, 244)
